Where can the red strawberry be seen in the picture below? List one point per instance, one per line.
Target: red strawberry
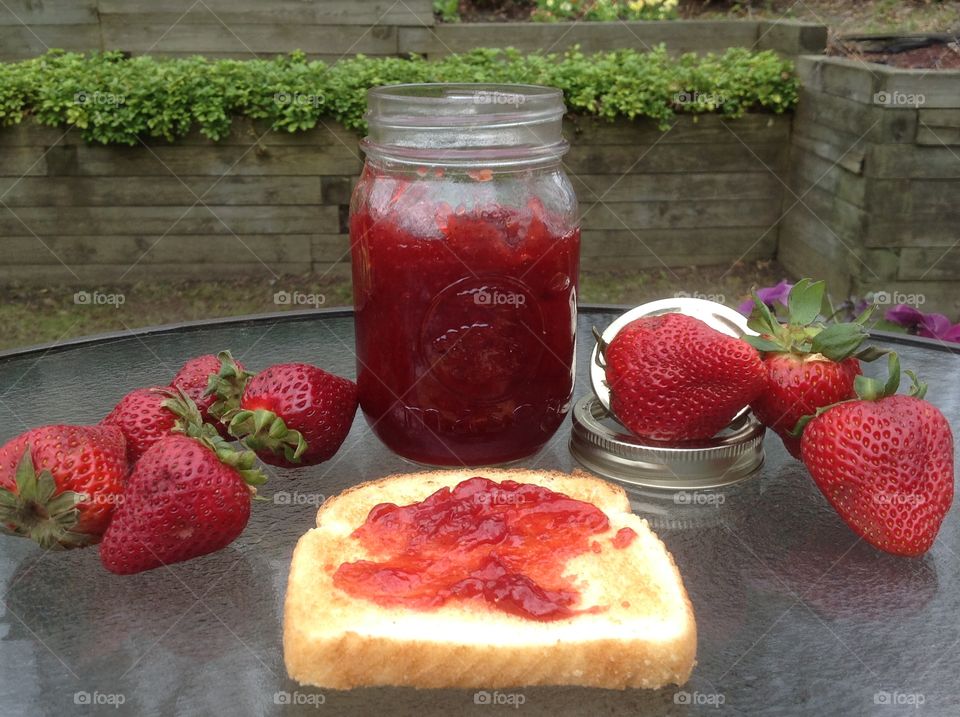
(59, 484)
(885, 463)
(809, 364)
(294, 414)
(187, 496)
(673, 378)
(143, 418)
(198, 375)
(799, 384)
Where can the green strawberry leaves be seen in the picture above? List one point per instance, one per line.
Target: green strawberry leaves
(805, 301)
(227, 385)
(804, 333)
(36, 509)
(263, 430)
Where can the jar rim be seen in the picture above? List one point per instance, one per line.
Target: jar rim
(462, 104)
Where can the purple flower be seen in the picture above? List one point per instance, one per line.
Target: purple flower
(931, 326)
(769, 295)
(905, 316)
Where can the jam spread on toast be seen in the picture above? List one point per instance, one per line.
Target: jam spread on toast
(506, 544)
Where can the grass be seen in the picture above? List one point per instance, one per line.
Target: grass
(33, 315)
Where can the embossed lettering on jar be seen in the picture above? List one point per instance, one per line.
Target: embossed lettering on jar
(465, 247)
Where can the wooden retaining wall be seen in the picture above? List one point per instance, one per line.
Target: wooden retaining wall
(330, 29)
(874, 198)
(706, 192)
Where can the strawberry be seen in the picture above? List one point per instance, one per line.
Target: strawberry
(885, 463)
(189, 495)
(59, 484)
(673, 378)
(291, 414)
(809, 364)
(143, 419)
(197, 376)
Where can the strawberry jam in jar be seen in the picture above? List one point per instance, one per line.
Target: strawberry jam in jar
(465, 245)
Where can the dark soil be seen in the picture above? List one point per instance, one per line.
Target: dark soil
(938, 56)
(495, 10)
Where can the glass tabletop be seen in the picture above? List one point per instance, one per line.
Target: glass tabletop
(795, 614)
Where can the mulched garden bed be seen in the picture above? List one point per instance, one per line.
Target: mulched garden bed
(934, 52)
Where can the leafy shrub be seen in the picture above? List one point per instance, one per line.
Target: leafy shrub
(554, 10)
(447, 10)
(116, 100)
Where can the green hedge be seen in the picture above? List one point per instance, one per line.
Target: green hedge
(115, 100)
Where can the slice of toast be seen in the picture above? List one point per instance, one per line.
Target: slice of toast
(646, 636)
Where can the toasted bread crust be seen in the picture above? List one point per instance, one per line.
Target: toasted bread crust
(349, 654)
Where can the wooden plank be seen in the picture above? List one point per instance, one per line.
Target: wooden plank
(18, 42)
(914, 196)
(674, 187)
(162, 191)
(791, 37)
(171, 249)
(687, 36)
(876, 124)
(697, 246)
(20, 161)
(137, 37)
(936, 89)
(939, 127)
(243, 132)
(212, 160)
(858, 81)
(913, 230)
(930, 264)
(841, 221)
(680, 214)
(157, 221)
(327, 248)
(642, 159)
(809, 170)
(827, 145)
(939, 296)
(109, 274)
(912, 162)
(48, 12)
(806, 248)
(685, 129)
(301, 12)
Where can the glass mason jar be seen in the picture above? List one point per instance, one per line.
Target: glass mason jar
(466, 246)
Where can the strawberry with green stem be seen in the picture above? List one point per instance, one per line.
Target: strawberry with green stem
(291, 414)
(189, 495)
(59, 485)
(884, 461)
(809, 364)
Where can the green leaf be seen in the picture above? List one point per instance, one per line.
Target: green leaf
(838, 341)
(805, 301)
(871, 389)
